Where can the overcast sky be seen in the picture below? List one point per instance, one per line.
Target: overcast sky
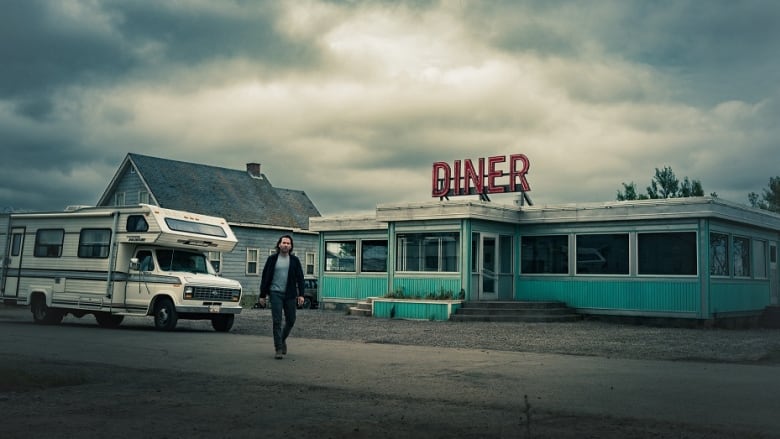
(353, 101)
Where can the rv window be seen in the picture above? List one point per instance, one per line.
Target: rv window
(48, 243)
(137, 223)
(181, 260)
(146, 261)
(16, 246)
(94, 243)
(193, 227)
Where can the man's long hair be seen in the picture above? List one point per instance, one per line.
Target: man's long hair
(292, 245)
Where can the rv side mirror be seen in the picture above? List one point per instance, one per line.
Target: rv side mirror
(134, 264)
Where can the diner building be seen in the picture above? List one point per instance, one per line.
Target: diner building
(698, 258)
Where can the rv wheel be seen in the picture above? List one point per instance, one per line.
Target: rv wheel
(223, 322)
(106, 320)
(44, 315)
(165, 315)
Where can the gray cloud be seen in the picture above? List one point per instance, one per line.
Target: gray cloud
(353, 101)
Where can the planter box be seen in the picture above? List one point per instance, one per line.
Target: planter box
(414, 309)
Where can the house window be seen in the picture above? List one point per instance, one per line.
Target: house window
(48, 243)
(544, 254)
(310, 263)
(94, 243)
(215, 258)
(143, 197)
(741, 257)
(719, 254)
(672, 254)
(759, 258)
(431, 252)
(119, 199)
(373, 256)
(602, 254)
(252, 258)
(340, 256)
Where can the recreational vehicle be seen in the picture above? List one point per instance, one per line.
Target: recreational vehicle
(115, 262)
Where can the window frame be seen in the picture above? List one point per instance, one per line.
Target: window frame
(362, 252)
(43, 250)
(639, 258)
(328, 268)
(429, 245)
(252, 260)
(746, 256)
(103, 247)
(727, 262)
(566, 259)
(627, 250)
(311, 263)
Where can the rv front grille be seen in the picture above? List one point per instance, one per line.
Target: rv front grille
(208, 293)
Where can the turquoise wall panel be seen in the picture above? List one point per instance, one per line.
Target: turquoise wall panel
(737, 296)
(646, 295)
(420, 287)
(415, 310)
(352, 287)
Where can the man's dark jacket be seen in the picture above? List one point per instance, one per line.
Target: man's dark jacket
(294, 277)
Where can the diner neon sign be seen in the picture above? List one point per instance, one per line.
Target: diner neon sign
(487, 177)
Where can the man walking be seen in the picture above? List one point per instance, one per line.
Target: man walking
(282, 278)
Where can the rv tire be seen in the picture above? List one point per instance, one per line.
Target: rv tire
(165, 317)
(43, 314)
(223, 322)
(108, 320)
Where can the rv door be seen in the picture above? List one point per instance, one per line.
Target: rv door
(13, 263)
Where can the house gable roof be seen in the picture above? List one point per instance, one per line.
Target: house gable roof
(232, 194)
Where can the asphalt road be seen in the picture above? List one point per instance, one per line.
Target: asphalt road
(732, 396)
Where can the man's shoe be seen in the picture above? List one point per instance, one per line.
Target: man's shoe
(279, 355)
(284, 349)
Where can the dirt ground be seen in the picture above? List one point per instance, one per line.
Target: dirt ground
(70, 400)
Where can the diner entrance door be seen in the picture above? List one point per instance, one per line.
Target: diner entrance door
(488, 267)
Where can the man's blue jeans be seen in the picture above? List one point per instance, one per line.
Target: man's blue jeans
(281, 305)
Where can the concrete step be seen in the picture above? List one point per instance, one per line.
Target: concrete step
(515, 311)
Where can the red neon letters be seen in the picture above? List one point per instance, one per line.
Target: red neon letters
(463, 178)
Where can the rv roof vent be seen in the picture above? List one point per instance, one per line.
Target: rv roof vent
(74, 207)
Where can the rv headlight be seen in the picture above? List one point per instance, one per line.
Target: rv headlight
(188, 292)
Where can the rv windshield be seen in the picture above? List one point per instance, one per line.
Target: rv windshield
(183, 260)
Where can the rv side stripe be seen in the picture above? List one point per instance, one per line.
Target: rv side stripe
(90, 275)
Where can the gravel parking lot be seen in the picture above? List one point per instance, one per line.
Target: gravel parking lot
(72, 393)
(587, 337)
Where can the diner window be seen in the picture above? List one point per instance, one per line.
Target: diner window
(48, 243)
(759, 258)
(252, 258)
(340, 256)
(602, 254)
(373, 256)
(741, 257)
(667, 253)
(94, 243)
(719, 254)
(544, 254)
(431, 252)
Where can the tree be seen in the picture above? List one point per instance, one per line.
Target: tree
(770, 199)
(663, 185)
(629, 193)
